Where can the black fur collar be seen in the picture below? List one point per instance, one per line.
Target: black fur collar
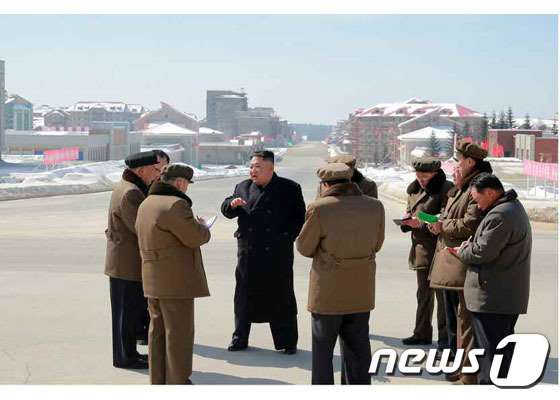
(131, 177)
(434, 185)
(357, 176)
(343, 189)
(165, 189)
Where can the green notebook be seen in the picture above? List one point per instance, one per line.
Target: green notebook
(424, 217)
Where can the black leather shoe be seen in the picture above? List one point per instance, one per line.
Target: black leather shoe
(453, 377)
(290, 351)
(135, 364)
(414, 340)
(236, 346)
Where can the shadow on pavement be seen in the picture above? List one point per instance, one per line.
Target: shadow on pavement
(551, 371)
(211, 378)
(398, 344)
(257, 357)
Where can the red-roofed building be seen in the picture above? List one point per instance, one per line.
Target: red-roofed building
(374, 130)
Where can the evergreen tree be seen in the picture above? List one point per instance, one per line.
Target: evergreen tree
(542, 127)
(527, 122)
(456, 131)
(555, 127)
(511, 124)
(434, 146)
(466, 130)
(484, 129)
(384, 156)
(448, 146)
(494, 121)
(502, 121)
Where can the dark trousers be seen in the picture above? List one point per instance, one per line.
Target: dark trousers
(353, 330)
(143, 322)
(489, 330)
(284, 333)
(425, 309)
(451, 303)
(127, 298)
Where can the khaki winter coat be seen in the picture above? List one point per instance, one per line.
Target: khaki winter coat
(170, 238)
(459, 221)
(432, 200)
(122, 258)
(342, 232)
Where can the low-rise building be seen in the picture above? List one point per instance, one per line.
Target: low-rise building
(57, 117)
(506, 138)
(416, 143)
(85, 113)
(18, 113)
(167, 114)
(102, 142)
(169, 133)
(210, 135)
(541, 149)
(224, 153)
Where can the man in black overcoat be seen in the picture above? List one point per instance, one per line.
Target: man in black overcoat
(270, 212)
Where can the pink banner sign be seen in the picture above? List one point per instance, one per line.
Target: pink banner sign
(541, 170)
(61, 155)
(448, 166)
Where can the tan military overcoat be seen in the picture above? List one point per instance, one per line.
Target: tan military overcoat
(343, 231)
(459, 221)
(170, 238)
(122, 258)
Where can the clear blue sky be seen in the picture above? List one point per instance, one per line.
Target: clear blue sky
(309, 68)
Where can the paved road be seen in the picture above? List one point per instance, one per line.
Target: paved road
(54, 298)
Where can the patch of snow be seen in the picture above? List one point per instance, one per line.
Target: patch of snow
(83, 178)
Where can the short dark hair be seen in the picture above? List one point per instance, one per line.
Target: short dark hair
(486, 181)
(266, 155)
(161, 154)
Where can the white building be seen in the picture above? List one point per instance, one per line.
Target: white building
(168, 133)
(414, 144)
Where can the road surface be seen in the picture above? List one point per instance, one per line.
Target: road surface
(55, 310)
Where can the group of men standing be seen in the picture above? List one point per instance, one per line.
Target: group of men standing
(475, 259)
(153, 252)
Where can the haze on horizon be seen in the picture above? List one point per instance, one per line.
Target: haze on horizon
(310, 68)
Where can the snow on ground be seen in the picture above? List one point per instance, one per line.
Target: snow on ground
(278, 151)
(24, 177)
(334, 150)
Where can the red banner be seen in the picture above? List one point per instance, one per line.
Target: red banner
(61, 155)
(541, 170)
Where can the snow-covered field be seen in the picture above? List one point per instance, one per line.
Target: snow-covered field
(80, 178)
(25, 176)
